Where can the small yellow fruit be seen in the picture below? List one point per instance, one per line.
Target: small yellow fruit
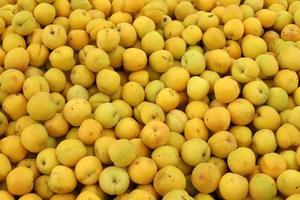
(114, 180)
(217, 119)
(167, 179)
(206, 177)
(272, 164)
(287, 59)
(23, 22)
(6, 167)
(252, 46)
(165, 155)
(88, 170)
(62, 58)
(288, 181)
(142, 170)
(54, 36)
(10, 85)
(34, 138)
(44, 100)
(262, 186)
(76, 111)
(21, 63)
(245, 70)
(122, 152)
(264, 141)
(176, 46)
(214, 38)
(134, 59)
(20, 181)
(46, 160)
(241, 161)
(234, 29)
(222, 144)
(155, 134)
(233, 186)
(107, 114)
(195, 145)
(143, 25)
(70, 151)
(197, 88)
(108, 81)
(108, 39)
(218, 60)
(35, 84)
(6, 195)
(241, 111)
(152, 42)
(226, 90)
(44, 13)
(58, 174)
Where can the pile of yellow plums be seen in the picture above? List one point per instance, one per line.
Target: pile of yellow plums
(149, 99)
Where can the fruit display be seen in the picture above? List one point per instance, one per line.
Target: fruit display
(149, 99)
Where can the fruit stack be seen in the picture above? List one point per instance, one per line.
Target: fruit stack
(149, 99)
